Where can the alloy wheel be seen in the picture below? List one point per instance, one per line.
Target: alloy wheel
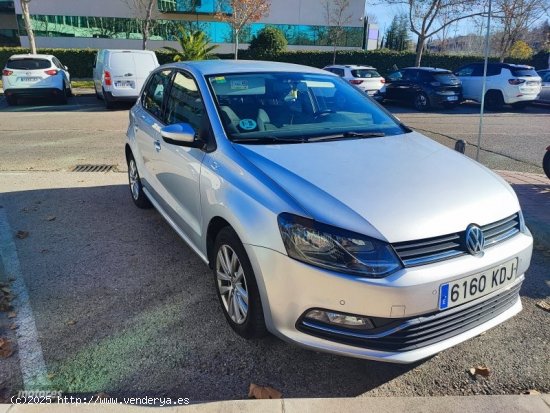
(232, 284)
(133, 177)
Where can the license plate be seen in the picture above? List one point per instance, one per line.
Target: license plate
(452, 98)
(124, 84)
(474, 286)
(29, 79)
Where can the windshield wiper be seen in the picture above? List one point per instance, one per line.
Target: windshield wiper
(268, 139)
(361, 135)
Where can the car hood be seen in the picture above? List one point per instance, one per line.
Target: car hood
(397, 188)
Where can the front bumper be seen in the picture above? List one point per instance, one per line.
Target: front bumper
(290, 288)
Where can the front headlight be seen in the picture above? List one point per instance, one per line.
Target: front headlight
(336, 249)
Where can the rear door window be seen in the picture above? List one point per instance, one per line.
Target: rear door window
(365, 73)
(28, 64)
(445, 78)
(121, 61)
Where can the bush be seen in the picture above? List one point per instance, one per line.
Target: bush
(80, 61)
(269, 41)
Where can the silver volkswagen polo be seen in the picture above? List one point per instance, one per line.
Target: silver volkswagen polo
(325, 220)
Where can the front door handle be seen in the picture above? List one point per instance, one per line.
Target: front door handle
(157, 145)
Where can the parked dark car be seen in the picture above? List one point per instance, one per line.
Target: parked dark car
(424, 87)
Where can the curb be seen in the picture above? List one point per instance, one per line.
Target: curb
(448, 404)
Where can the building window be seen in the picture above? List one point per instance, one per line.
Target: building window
(217, 32)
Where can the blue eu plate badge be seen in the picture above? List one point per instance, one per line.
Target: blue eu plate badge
(444, 296)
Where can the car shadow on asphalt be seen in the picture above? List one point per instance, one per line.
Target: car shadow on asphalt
(123, 306)
(465, 108)
(76, 103)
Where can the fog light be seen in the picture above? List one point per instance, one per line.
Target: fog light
(342, 320)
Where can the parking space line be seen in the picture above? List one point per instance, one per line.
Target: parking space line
(31, 359)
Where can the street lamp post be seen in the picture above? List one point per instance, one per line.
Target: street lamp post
(484, 84)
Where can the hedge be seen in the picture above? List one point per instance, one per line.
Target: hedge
(80, 61)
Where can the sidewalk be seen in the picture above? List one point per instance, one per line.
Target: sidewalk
(533, 191)
(454, 404)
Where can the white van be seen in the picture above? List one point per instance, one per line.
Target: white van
(119, 74)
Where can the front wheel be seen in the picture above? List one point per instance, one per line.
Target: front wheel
(236, 286)
(546, 164)
(494, 100)
(136, 187)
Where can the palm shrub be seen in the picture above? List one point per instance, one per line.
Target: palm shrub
(194, 46)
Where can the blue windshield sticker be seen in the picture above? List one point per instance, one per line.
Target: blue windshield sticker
(248, 124)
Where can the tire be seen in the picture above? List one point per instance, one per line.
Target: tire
(70, 91)
(546, 164)
(136, 187)
(109, 105)
(62, 99)
(11, 100)
(494, 100)
(238, 290)
(97, 95)
(520, 105)
(421, 102)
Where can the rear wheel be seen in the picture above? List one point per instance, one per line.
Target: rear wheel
(546, 164)
(236, 286)
(421, 102)
(494, 100)
(11, 100)
(70, 91)
(136, 187)
(62, 99)
(109, 104)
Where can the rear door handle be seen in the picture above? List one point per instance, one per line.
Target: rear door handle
(157, 146)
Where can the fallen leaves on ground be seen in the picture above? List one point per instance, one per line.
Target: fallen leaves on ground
(22, 234)
(260, 392)
(480, 370)
(531, 392)
(71, 322)
(12, 314)
(6, 349)
(51, 218)
(545, 305)
(13, 326)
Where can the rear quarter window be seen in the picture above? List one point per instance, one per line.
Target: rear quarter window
(523, 72)
(28, 64)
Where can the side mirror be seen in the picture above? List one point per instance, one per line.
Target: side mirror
(181, 134)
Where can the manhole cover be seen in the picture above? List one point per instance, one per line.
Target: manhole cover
(93, 168)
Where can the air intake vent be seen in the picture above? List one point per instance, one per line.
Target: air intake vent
(93, 168)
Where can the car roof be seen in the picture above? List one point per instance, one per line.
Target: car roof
(127, 51)
(429, 69)
(351, 66)
(503, 65)
(30, 55)
(212, 67)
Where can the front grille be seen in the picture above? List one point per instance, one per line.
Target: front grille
(419, 332)
(429, 250)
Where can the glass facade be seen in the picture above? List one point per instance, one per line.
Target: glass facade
(218, 32)
(193, 6)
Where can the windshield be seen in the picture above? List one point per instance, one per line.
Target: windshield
(28, 64)
(365, 73)
(296, 105)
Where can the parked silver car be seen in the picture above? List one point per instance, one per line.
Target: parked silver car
(325, 220)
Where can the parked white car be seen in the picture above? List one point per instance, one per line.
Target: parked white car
(119, 74)
(507, 84)
(365, 78)
(544, 95)
(36, 75)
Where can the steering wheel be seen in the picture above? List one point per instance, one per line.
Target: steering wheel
(322, 113)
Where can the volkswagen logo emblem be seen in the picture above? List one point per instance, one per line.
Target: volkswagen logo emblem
(475, 240)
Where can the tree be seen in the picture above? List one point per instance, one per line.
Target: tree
(520, 50)
(268, 42)
(194, 46)
(337, 16)
(28, 24)
(425, 17)
(516, 17)
(238, 13)
(397, 35)
(143, 13)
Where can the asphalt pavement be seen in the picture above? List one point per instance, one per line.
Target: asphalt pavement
(121, 305)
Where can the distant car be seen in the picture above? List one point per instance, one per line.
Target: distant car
(544, 95)
(119, 74)
(365, 78)
(507, 84)
(36, 75)
(424, 87)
